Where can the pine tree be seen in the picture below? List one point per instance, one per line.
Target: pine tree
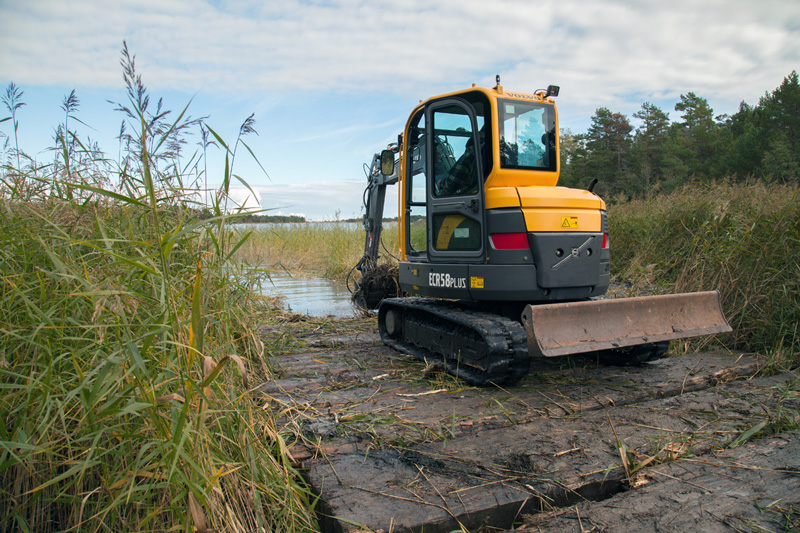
(608, 144)
(650, 144)
(697, 133)
(780, 117)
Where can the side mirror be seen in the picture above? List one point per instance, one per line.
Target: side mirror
(387, 162)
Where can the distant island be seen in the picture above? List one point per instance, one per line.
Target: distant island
(252, 218)
(269, 219)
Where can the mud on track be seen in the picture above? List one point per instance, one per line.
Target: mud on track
(685, 442)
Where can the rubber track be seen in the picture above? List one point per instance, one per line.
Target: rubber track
(451, 331)
(448, 332)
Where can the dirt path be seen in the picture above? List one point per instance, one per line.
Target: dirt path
(393, 446)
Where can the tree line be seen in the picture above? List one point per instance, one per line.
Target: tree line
(660, 155)
(252, 218)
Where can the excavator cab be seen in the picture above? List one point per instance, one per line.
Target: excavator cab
(497, 263)
(479, 210)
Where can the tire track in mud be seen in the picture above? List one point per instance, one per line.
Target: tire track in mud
(388, 448)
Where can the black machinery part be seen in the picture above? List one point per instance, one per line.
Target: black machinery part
(482, 348)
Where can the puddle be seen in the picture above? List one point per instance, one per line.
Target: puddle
(311, 296)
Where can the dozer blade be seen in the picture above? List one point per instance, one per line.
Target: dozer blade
(579, 327)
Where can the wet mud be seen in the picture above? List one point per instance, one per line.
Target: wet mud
(392, 445)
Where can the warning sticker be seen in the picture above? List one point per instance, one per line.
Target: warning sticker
(569, 222)
(475, 282)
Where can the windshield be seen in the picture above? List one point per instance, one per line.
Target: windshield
(527, 135)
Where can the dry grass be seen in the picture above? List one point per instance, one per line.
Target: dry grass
(740, 239)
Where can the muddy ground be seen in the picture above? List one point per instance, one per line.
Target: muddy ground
(692, 442)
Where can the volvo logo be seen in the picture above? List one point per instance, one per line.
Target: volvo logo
(575, 253)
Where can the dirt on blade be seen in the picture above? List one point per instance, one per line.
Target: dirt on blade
(392, 445)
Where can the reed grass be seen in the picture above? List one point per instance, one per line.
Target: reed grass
(742, 239)
(128, 347)
(328, 249)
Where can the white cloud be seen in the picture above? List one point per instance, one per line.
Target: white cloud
(242, 198)
(598, 49)
(321, 200)
(294, 61)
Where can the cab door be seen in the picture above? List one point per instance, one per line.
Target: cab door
(456, 229)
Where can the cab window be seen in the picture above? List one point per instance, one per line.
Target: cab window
(455, 159)
(527, 135)
(416, 188)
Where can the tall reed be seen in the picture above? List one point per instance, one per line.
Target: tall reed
(128, 347)
(742, 239)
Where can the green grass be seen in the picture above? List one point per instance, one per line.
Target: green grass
(128, 347)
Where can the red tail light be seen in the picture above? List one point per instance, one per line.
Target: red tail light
(605, 241)
(510, 241)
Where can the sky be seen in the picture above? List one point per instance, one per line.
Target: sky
(331, 82)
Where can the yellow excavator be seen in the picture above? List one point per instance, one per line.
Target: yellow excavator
(498, 264)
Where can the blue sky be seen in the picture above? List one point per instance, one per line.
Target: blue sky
(332, 81)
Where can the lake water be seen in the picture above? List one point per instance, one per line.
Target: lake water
(311, 296)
